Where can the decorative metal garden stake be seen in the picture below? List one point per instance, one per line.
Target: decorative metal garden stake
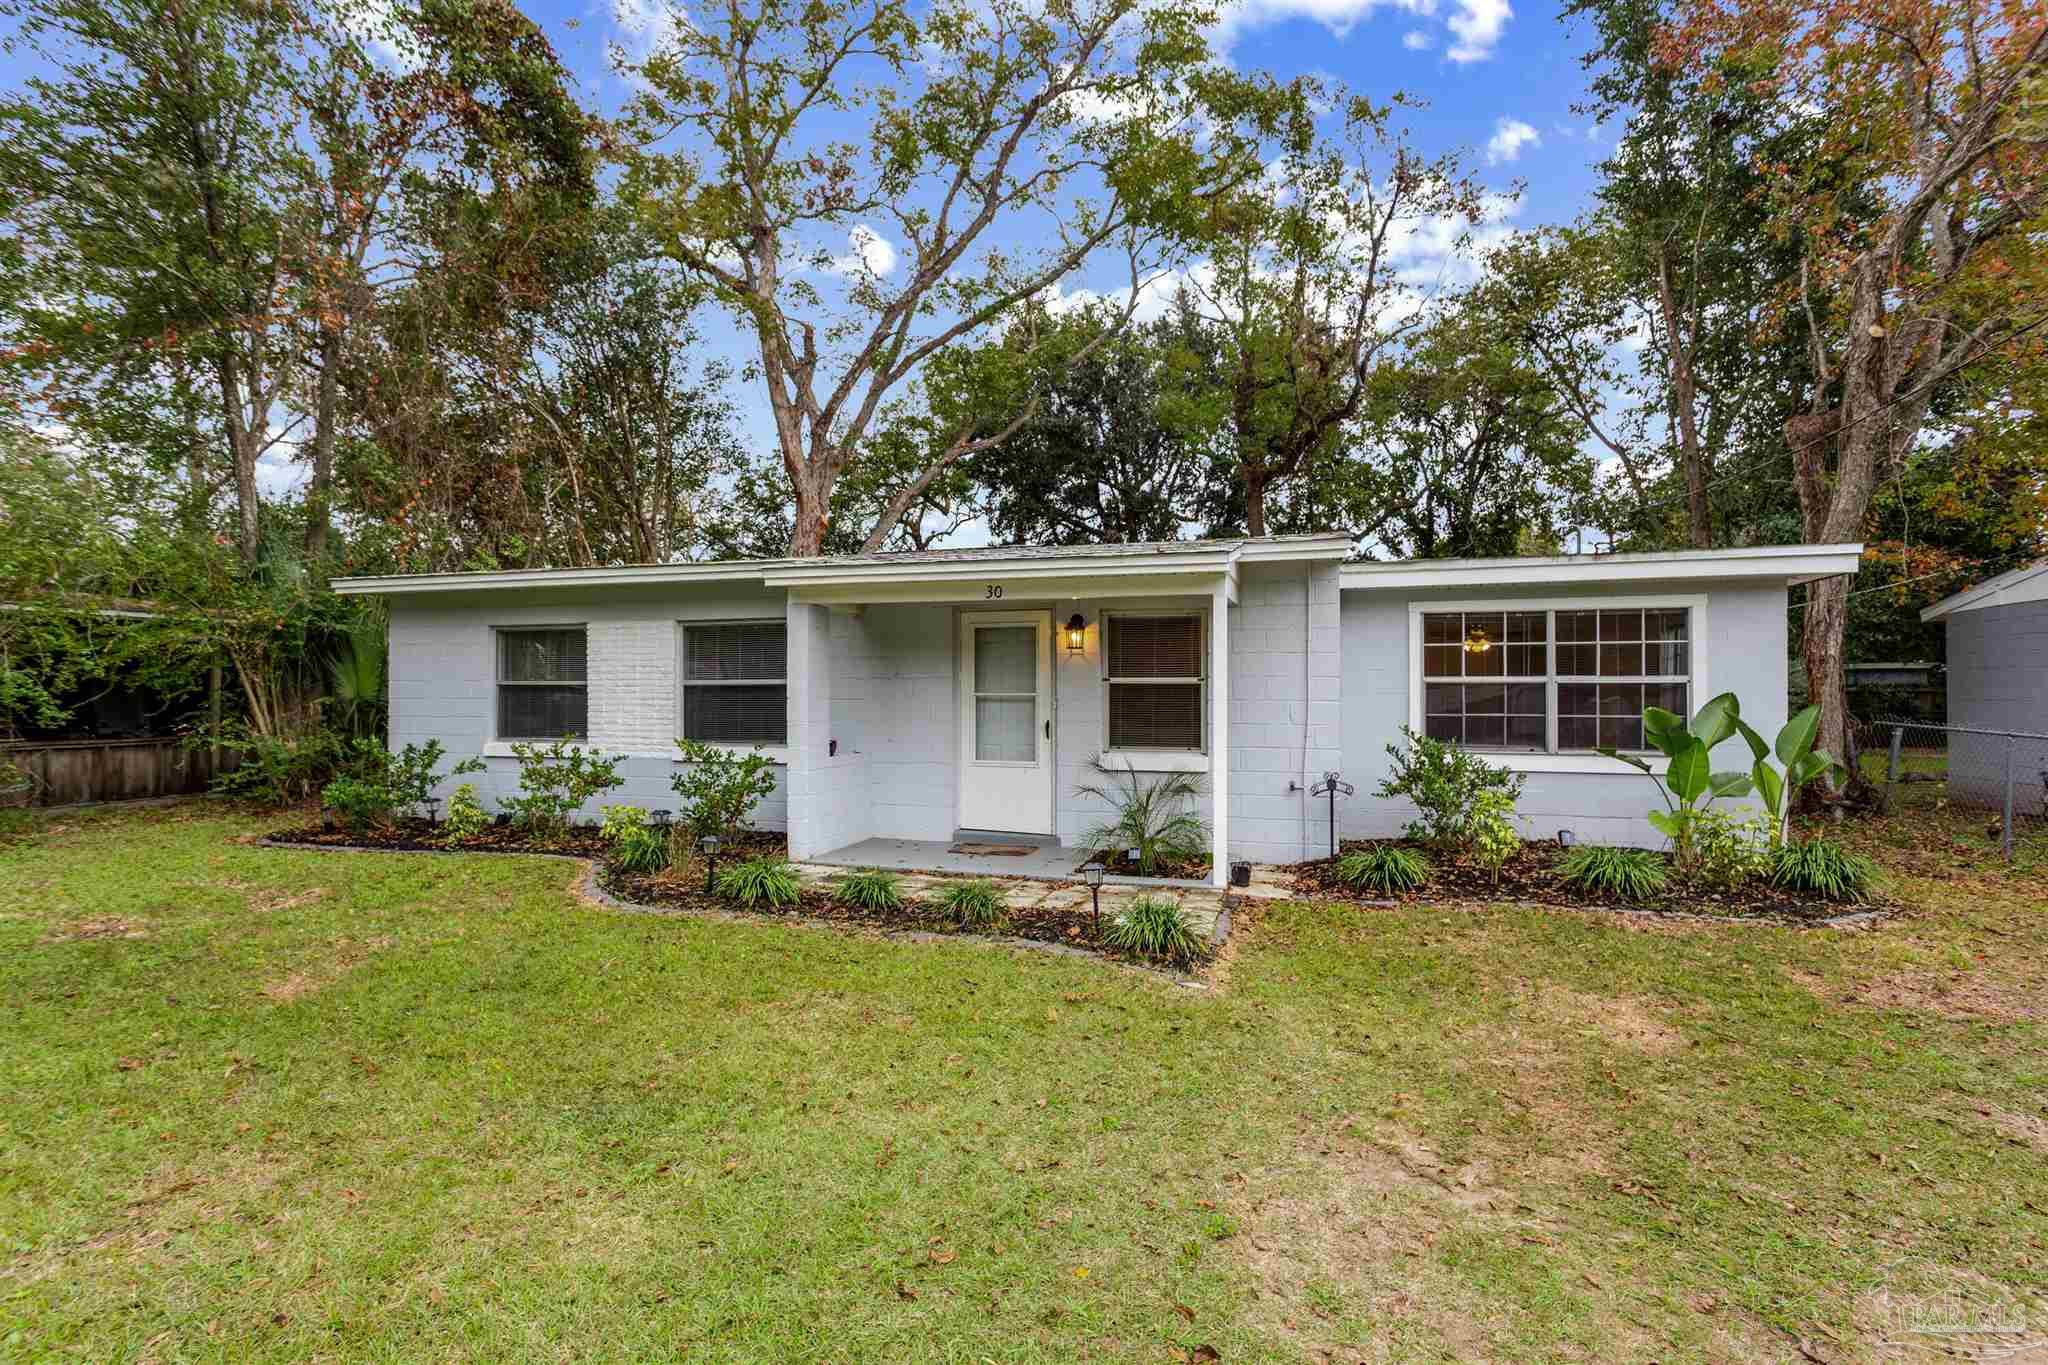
(1092, 874)
(709, 846)
(1333, 789)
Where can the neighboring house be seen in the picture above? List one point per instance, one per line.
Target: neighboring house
(923, 695)
(1998, 681)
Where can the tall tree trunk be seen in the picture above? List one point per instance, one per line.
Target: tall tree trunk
(242, 450)
(813, 489)
(1822, 647)
(1254, 500)
(319, 488)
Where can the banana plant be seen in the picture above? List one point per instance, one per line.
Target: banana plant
(1688, 783)
(1803, 763)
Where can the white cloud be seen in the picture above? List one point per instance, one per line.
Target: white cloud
(374, 24)
(647, 26)
(1338, 16)
(1478, 25)
(1510, 136)
(1415, 40)
(869, 253)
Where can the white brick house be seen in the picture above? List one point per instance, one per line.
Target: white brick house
(921, 696)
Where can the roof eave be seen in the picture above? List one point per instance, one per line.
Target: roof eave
(1793, 564)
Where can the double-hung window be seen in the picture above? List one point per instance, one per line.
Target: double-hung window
(736, 682)
(1154, 673)
(1556, 680)
(543, 683)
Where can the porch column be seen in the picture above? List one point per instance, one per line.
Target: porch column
(810, 723)
(1219, 733)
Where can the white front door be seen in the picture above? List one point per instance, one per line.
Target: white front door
(1006, 721)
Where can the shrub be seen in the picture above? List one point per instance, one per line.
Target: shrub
(276, 771)
(411, 774)
(1153, 926)
(466, 814)
(1821, 867)
(720, 788)
(359, 803)
(1444, 782)
(1729, 849)
(636, 845)
(973, 905)
(1385, 868)
(1631, 873)
(1491, 830)
(873, 889)
(556, 780)
(1150, 815)
(760, 881)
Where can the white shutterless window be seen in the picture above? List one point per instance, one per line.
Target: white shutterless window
(543, 683)
(1155, 674)
(736, 682)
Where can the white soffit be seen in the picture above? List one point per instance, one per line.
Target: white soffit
(2028, 584)
(1789, 563)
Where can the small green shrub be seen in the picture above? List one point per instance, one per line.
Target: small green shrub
(273, 771)
(1444, 782)
(1821, 867)
(1491, 830)
(873, 889)
(1728, 849)
(1386, 868)
(1153, 926)
(412, 773)
(973, 905)
(555, 780)
(637, 846)
(1153, 816)
(1631, 873)
(466, 814)
(720, 787)
(359, 803)
(760, 881)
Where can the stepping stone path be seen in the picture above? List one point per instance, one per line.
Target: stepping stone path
(1201, 905)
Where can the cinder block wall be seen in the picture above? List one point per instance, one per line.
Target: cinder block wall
(1286, 721)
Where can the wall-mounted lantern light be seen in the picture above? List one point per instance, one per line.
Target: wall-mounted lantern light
(1077, 633)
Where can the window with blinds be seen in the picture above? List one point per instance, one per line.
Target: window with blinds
(543, 683)
(1557, 681)
(1153, 672)
(735, 682)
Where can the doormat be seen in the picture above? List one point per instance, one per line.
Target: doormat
(994, 850)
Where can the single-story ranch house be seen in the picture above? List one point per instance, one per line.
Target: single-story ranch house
(931, 695)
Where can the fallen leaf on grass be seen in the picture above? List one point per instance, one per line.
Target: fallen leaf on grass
(905, 1292)
(1185, 1311)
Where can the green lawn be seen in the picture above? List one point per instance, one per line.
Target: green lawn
(285, 1105)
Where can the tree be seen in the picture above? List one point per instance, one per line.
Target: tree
(1918, 230)
(1305, 291)
(1103, 456)
(1073, 126)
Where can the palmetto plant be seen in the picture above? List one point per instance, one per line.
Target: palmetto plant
(1151, 815)
(355, 675)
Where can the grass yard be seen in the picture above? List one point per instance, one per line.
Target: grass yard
(271, 1105)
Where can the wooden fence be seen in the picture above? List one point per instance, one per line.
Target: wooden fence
(67, 771)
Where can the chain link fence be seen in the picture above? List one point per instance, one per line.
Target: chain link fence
(1921, 765)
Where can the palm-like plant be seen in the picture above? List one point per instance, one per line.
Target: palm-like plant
(1151, 815)
(355, 672)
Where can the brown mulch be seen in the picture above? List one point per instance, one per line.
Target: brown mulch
(1192, 869)
(414, 835)
(1532, 875)
(1073, 928)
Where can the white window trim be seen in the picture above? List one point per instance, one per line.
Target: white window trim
(778, 753)
(500, 746)
(1159, 760)
(1695, 603)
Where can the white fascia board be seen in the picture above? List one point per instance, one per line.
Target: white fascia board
(2028, 584)
(797, 574)
(624, 575)
(1337, 545)
(1791, 563)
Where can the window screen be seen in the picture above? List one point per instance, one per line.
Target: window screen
(735, 688)
(1154, 678)
(543, 683)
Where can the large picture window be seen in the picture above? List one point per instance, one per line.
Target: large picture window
(1558, 680)
(1153, 671)
(735, 682)
(543, 683)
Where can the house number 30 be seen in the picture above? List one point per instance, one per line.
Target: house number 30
(995, 590)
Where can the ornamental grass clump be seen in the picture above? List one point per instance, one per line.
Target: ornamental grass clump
(873, 889)
(1631, 873)
(1155, 927)
(1387, 869)
(973, 905)
(760, 881)
(1821, 867)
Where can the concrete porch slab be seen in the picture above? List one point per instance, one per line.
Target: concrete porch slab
(934, 855)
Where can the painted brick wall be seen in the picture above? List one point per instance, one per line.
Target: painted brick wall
(443, 679)
(911, 721)
(1285, 707)
(1746, 655)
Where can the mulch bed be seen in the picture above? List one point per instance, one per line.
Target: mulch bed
(415, 835)
(1532, 876)
(1194, 869)
(1071, 928)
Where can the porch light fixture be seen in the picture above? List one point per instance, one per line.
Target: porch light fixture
(1092, 873)
(708, 846)
(1077, 633)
